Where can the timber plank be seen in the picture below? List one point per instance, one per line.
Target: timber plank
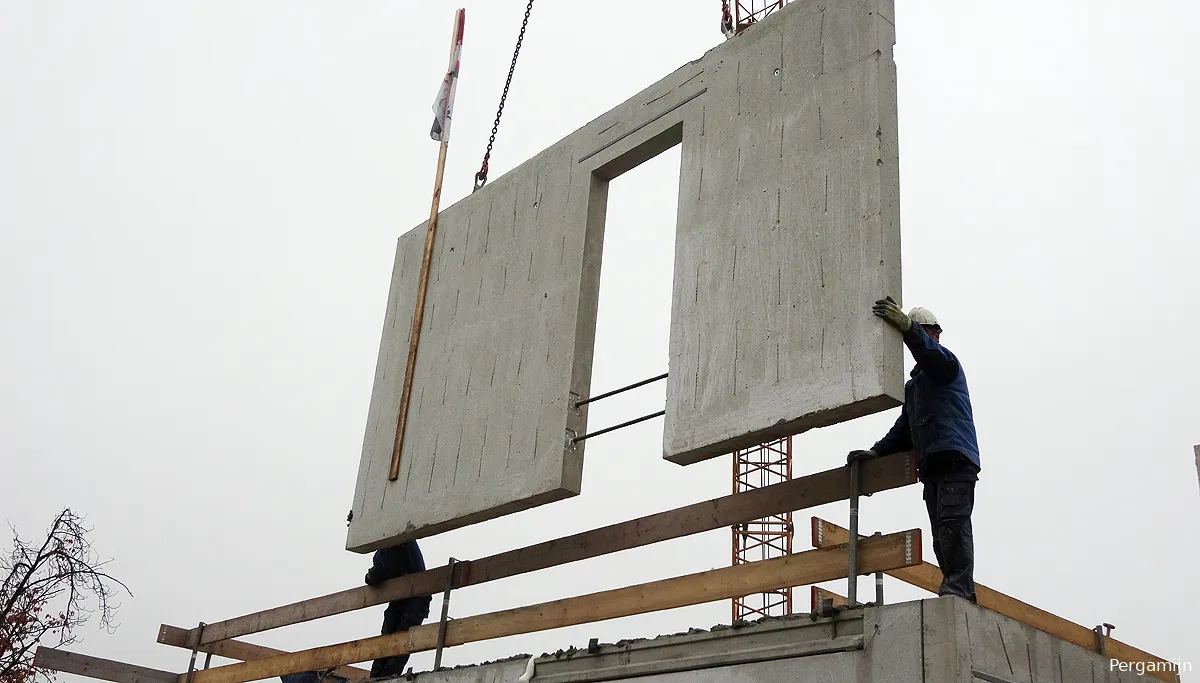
(817, 594)
(879, 474)
(95, 667)
(243, 651)
(879, 553)
(927, 576)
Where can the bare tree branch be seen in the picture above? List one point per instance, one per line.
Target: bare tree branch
(46, 593)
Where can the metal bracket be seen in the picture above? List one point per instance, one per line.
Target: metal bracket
(1102, 633)
(878, 581)
(826, 608)
(441, 638)
(852, 571)
(196, 648)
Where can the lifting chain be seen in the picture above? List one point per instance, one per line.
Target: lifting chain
(481, 176)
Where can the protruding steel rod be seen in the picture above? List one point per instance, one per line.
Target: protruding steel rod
(195, 649)
(616, 427)
(441, 639)
(852, 575)
(614, 392)
(878, 581)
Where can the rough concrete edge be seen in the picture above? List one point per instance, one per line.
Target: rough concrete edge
(764, 624)
(943, 659)
(417, 533)
(823, 418)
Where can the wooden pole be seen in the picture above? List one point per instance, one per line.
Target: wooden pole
(929, 577)
(877, 553)
(243, 651)
(877, 474)
(95, 667)
(414, 336)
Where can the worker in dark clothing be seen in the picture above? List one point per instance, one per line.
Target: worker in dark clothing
(937, 422)
(400, 615)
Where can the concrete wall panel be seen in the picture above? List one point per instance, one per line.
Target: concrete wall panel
(490, 413)
(788, 230)
(936, 640)
(1001, 649)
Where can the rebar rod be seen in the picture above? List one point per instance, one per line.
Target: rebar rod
(614, 392)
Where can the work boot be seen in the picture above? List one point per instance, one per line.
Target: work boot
(958, 557)
(389, 667)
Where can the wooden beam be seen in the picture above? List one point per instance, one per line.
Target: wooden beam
(95, 667)
(243, 651)
(414, 335)
(817, 594)
(878, 474)
(878, 553)
(928, 576)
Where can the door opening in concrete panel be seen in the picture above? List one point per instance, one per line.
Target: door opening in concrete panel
(633, 337)
(634, 308)
(632, 342)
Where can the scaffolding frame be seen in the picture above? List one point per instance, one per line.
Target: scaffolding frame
(746, 13)
(767, 537)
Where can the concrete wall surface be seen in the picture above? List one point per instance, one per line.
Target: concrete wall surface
(788, 231)
(938, 640)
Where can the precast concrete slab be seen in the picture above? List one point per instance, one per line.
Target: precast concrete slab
(505, 346)
(937, 640)
(788, 231)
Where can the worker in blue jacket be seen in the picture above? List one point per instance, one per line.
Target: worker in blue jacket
(400, 615)
(937, 422)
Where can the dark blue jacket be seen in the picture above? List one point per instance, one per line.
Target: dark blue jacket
(397, 561)
(936, 416)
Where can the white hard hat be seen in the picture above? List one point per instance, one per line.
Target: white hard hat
(923, 316)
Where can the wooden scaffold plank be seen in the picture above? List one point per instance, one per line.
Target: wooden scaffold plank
(879, 553)
(929, 577)
(818, 594)
(880, 474)
(245, 652)
(95, 667)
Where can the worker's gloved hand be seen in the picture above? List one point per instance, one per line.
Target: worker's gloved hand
(890, 311)
(372, 578)
(859, 456)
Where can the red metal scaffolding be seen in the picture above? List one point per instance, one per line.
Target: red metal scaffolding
(753, 468)
(748, 12)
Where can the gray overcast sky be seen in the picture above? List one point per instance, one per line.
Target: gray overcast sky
(199, 203)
